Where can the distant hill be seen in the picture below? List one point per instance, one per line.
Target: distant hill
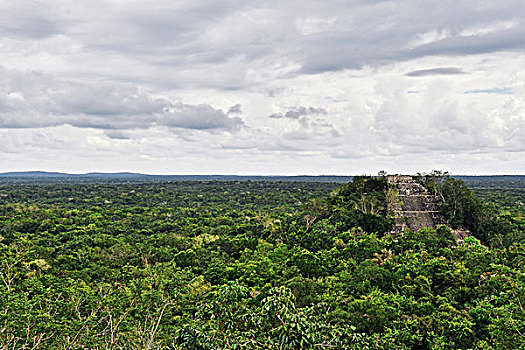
(57, 174)
(115, 175)
(493, 181)
(484, 181)
(25, 176)
(33, 174)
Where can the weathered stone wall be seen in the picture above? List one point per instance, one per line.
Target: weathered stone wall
(412, 205)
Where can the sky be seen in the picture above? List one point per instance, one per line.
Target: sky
(263, 87)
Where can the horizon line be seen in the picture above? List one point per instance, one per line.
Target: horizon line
(14, 172)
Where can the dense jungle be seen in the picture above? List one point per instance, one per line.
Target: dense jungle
(259, 265)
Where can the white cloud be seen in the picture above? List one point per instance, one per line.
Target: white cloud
(488, 28)
(313, 25)
(429, 37)
(353, 86)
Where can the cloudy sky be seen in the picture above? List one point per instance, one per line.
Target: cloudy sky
(263, 87)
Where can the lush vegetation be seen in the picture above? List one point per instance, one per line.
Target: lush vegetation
(498, 222)
(255, 265)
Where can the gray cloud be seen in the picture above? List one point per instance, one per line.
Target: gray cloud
(435, 71)
(28, 20)
(235, 45)
(379, 33)
(198, 117)
(235, 109)
(34, 100)
(298, 112)
(118, 134)
(103, 78)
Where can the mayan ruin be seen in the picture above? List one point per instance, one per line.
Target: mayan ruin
(412, 205)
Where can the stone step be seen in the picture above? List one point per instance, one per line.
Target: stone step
(418, 208)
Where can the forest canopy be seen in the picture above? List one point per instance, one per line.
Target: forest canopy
(258, 265)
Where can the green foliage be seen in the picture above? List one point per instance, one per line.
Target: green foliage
(235, 265)
(362, 203)
(463, 209)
